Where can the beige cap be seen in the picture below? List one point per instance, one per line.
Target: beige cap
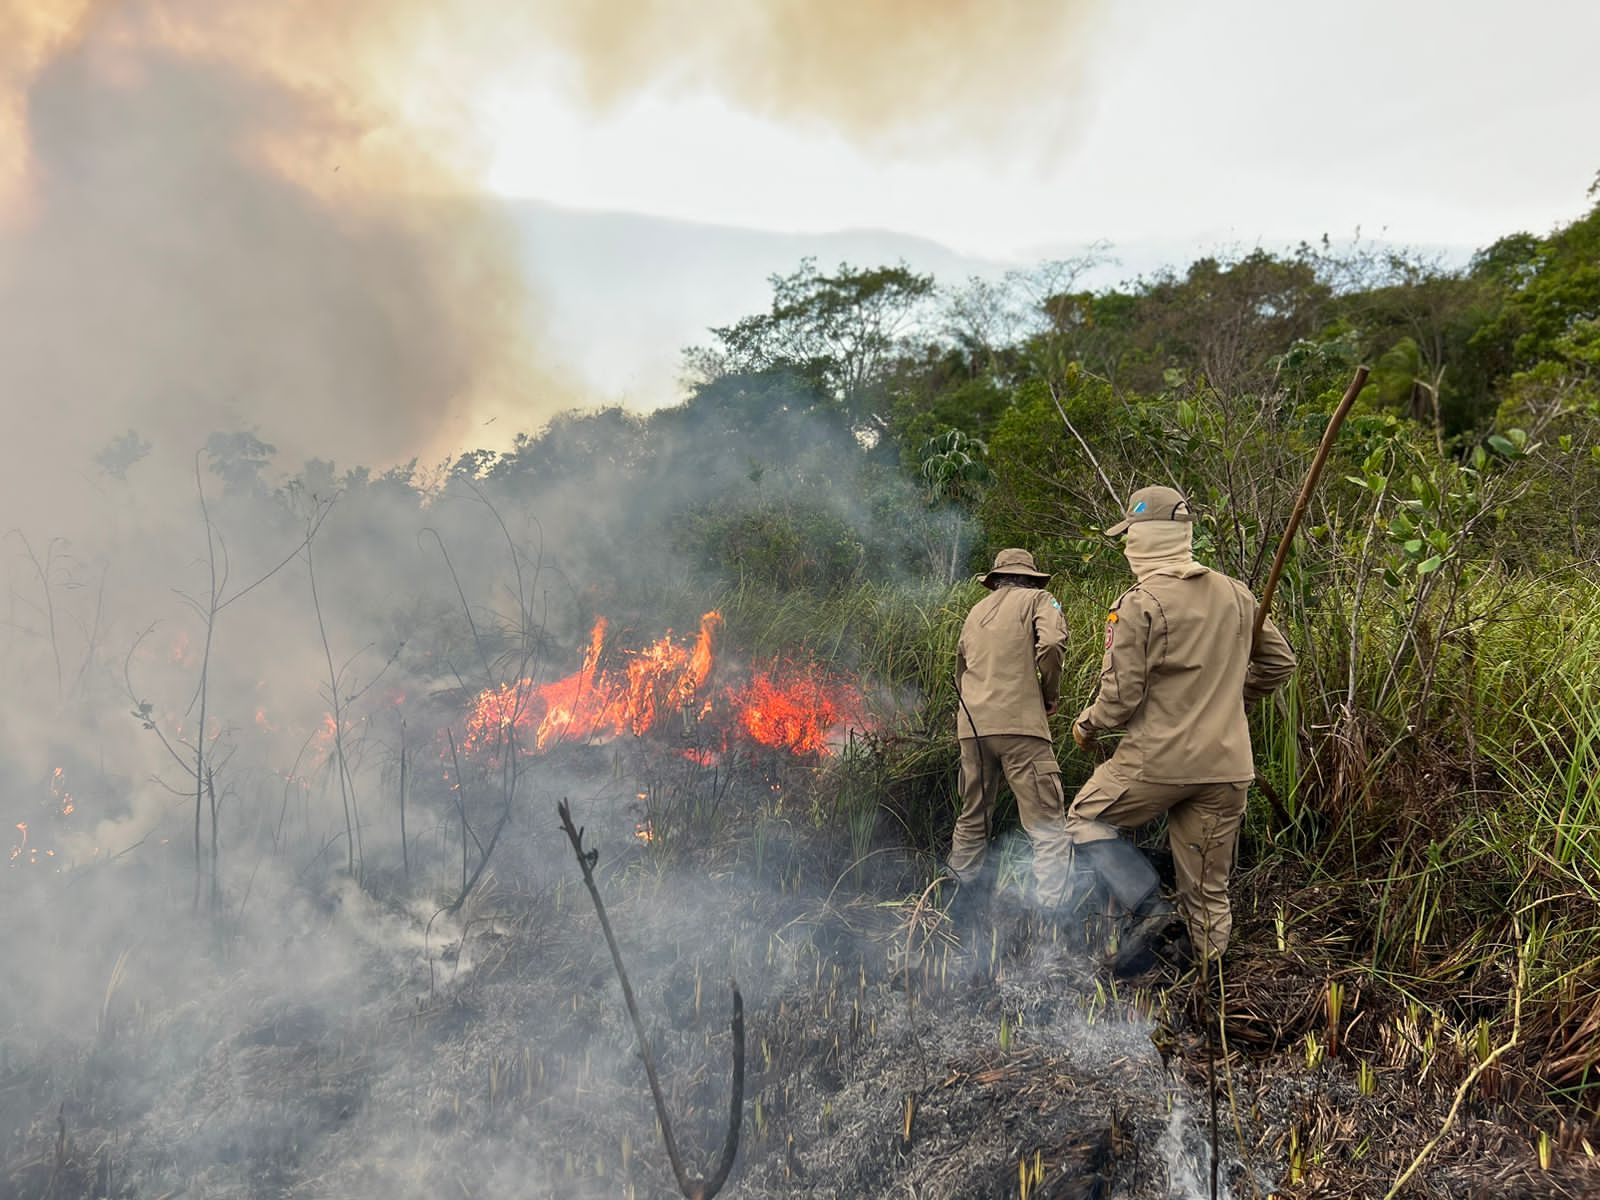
(1013, 562)
(1153, 504)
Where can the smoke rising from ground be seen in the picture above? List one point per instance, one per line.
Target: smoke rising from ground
(256, 221)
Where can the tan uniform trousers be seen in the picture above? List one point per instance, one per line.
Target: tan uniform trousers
(1029, 766)
(1203, 822)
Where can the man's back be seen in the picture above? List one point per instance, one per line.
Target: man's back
(1178, 672)
(1010, 639)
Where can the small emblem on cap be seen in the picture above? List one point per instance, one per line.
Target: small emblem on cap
(1139, 507)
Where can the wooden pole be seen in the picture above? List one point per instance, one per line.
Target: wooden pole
(1304, 498)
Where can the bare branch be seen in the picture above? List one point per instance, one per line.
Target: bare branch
(692, 1189)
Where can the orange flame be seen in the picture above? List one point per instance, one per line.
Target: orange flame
(323, 738)
(59, 791)
(786, 707)
(794, 709)
(596, 703)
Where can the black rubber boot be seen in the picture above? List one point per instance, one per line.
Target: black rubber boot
(1129, 878)
(1125, 872)
(969, 907)
(1152, 930)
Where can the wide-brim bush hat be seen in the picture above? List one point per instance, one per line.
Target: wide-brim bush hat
(1013, 561)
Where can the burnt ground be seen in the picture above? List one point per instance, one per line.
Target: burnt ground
(335, 1040)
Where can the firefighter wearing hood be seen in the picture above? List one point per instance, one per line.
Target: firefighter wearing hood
(1178, 672)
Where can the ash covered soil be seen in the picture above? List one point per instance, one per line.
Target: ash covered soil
(330, 1039)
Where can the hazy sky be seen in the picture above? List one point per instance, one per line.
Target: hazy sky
(1227, 120)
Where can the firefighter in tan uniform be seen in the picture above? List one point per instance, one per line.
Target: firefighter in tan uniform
(1008, 680)
(1178, 672)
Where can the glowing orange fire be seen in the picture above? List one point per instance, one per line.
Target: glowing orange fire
(793, 709)
(59, 791)
(596, 703)
(789, 707)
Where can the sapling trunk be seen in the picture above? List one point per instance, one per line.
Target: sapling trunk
(405, 848)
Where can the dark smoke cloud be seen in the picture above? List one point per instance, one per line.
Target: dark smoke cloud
(218, 220)
(894, 70)
(234, 216)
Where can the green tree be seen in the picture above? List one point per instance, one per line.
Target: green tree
(842, 332)
(238, 459)
(952, 468)
(1414, 319)
(944, 389)
(1221, 321)
(953, 474)
(1552, 290)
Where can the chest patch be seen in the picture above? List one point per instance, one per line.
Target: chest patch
(1111, 629)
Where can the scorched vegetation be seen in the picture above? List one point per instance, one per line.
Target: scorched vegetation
(290, 910)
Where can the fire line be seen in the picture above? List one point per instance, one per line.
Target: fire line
(786, 706)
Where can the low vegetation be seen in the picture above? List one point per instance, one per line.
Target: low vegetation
(1414, 1001)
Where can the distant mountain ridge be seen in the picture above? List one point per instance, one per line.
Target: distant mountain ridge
(621, 294)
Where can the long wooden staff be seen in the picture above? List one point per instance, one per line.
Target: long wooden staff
(1279, 812)
(1304, 498)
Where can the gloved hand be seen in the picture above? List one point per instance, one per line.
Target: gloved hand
(1084, 736)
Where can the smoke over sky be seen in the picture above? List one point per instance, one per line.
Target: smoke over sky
(895, 70)
(216, 218)
(267, 218)
(1046, 126)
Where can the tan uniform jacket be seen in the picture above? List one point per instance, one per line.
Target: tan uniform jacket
(1177, 674)
(1008, 663)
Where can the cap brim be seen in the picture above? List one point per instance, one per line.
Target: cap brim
(1120, 528)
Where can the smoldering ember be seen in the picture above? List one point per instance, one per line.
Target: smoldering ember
(424, 776)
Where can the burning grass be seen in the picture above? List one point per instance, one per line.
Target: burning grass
(788, 705)
(1421, 933)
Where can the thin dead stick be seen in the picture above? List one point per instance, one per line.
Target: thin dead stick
(692, 1189)
(1078, 437)
(1466, 1084)
(911, 1019)
(1304, 498)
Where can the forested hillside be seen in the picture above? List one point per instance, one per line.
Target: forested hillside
(387, 983)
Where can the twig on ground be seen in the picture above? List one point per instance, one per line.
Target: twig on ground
(1488, 1061)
